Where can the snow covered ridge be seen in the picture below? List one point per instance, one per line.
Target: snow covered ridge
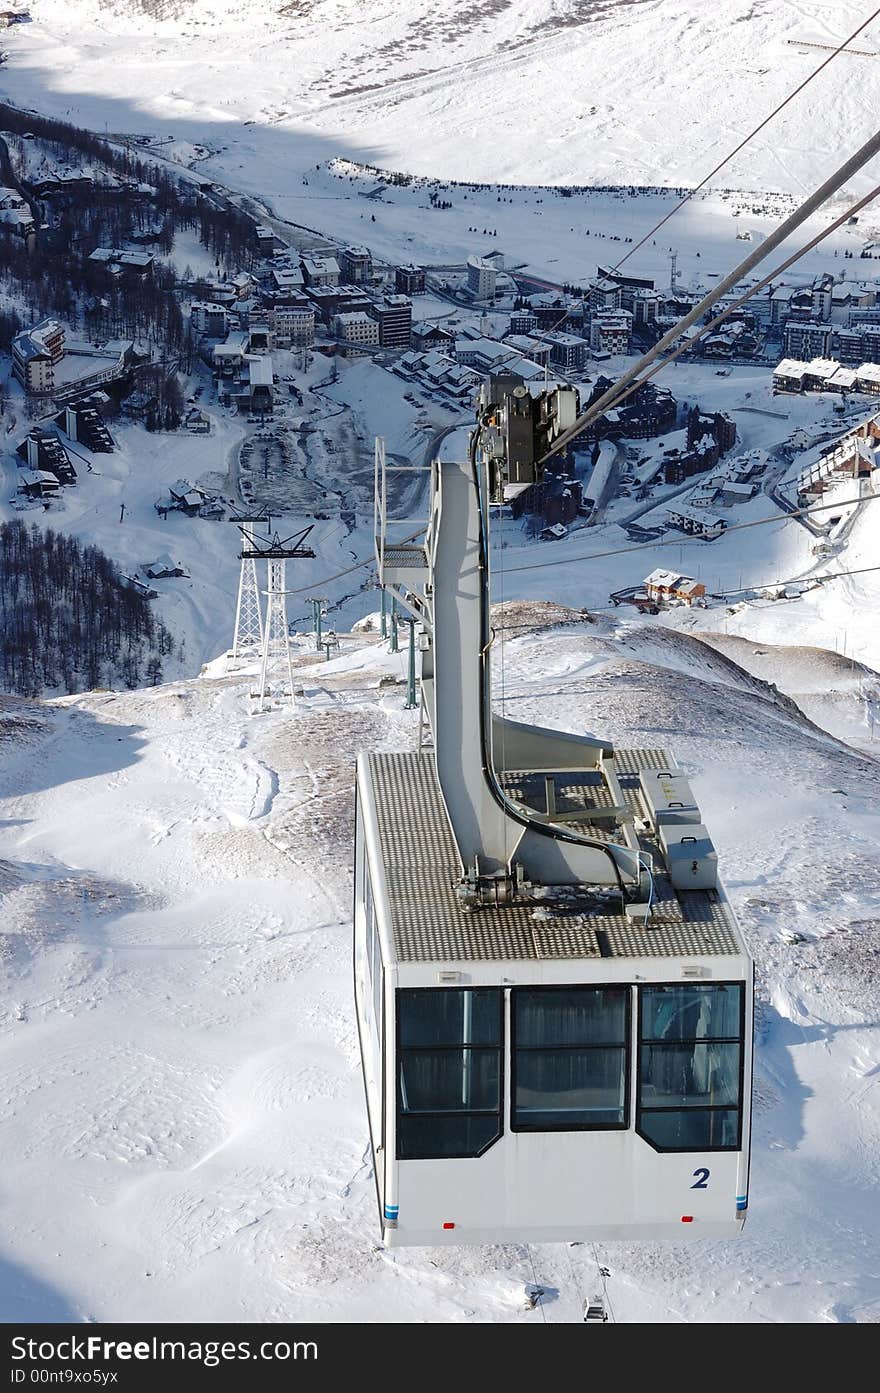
(182, 1093)
(447, 24)
(441, 90)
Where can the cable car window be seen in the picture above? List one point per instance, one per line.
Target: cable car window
(442, 1081)
(375, 959)
(371, 955)
(570, 1050)
(368, 966)
(439, 1016)
(369, 909)
(690, 1066)
(449, 1073)
(691, 1012)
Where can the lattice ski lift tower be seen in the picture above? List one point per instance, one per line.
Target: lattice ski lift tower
(276, 671)
(247, 639)
(673, 271)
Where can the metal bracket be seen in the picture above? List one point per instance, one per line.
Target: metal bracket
(475, 890)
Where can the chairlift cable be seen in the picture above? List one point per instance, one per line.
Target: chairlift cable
(745, 141)
(602, 1271)
(677, 541)
(615, 393)
(690, 194)
(611, 402)
(536, 1285)
(618, 551)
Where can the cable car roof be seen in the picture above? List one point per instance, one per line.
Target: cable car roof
(429, 923)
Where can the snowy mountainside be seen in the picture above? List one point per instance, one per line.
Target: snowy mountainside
(535, 91)
(177, 1023)
(834, 691)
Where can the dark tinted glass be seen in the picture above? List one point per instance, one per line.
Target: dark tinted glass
(689, 1075)
(569, 1088)
(581, 1016)
(449, 1071)
(454, 1135)
(692, 1129)
(449, 1080)
(448, 1017)
(691, 1012)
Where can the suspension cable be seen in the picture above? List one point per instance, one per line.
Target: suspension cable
(598, 409)
(733, 153)
(744, 142)
(677, 541)
(810, 205)
(617, 551)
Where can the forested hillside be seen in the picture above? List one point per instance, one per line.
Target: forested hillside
(69, 622)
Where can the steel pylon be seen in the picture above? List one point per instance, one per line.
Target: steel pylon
(247, 639)
(276, 668)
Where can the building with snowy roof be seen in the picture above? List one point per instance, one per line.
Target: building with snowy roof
(480, 353)
(821, 296)
(209, 318)
(286, 280)
(293, 326)
(136, 265)
(229, 356)
(854, 456)
(807, 339)
(41, 449)
(321, 270)
(662, 585)
(393, 314)
(15, 213)
(868, 378)
(356, 265)
(697, 523)
(843, 380)
(409, 280)
(252, 387)
(164, 567)
(35, 353)
(819, 372)
(331, 300)
(482, 275)
(523, 322)
(568, 352)
(38, 483)
(529, 347)
(264, 238)
(425, 336)
(357, 332)
(605, 294)
(610, 331)
(789, 374)
(645, 305)
(736, 491)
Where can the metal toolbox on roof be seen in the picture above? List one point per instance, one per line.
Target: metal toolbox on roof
(669, 797)
(690, 856)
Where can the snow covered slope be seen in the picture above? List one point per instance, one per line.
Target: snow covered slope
(535, 91)
(182, 1102)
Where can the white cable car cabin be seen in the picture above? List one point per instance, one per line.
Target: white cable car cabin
(554, 1000)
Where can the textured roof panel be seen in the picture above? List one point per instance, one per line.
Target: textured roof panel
(429, 923)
